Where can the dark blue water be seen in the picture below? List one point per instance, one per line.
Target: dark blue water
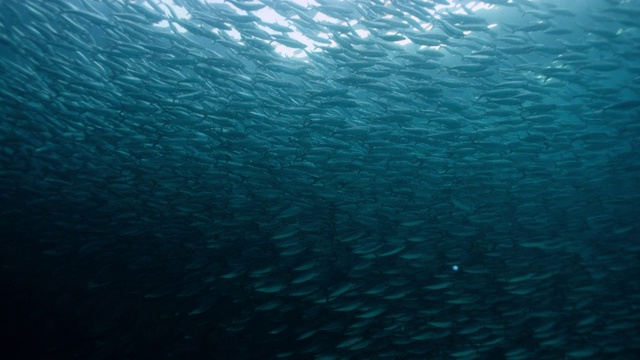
(333, 180)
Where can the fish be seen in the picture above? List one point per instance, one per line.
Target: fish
(320, 180)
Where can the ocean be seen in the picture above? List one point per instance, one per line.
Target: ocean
(399, 179)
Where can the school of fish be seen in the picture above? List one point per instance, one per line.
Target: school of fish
(413, 179)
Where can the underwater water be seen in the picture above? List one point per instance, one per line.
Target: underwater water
(410, 179)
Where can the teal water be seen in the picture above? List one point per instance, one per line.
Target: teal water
(333, 180)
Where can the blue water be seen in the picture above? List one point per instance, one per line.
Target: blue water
(332, 180)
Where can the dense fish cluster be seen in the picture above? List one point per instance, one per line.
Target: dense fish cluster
(401, 179)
